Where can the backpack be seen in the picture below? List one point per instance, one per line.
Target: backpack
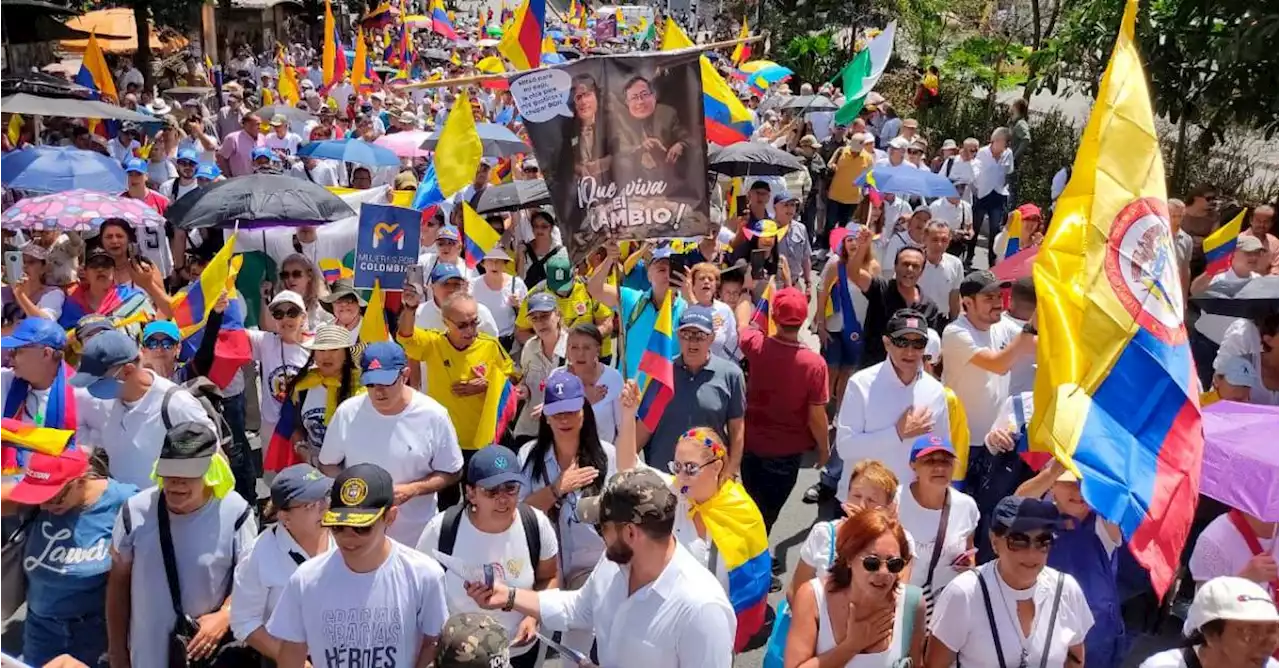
(210, 399)
(536, 272)
(528, 518)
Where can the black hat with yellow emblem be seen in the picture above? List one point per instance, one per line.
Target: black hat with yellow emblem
(361, 494)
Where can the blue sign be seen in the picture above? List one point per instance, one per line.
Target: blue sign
(386, 245)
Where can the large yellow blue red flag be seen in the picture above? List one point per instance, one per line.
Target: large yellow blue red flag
(1220, 246)
(456, 167)
(657, 373)
(727, 120)
(500, 403)
(332, 61)
(736, 528)
(1116, 394)
(191, 307)
(742, 52)
(522, 43)
(478, 237)
(94, 73)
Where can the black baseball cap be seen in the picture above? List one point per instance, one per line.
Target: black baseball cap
(907, 321)
(187, 451)
(361, 495)
(1022, 514)
(981, 281)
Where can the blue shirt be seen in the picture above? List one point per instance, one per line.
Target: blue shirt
(637, 319)
(68, 556)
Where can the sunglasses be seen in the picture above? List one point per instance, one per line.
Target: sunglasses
(1020, 542)
(505, 489)
(908, 342)
(693, 335)
(359, 531)
(688, 469)
(281, 314)
(914, 151)
(157, 343)
(871, 564)
(296, 273)
(470, 324)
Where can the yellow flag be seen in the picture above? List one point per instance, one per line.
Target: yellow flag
(491, 65)
(329, 52)
(14, 130)
(361, 66)
(288, 79)
(373, 327)
(458, 151)
(95, 64)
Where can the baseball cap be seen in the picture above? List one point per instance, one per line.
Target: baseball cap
(165, 327)
(46, 475)
(34, 250)
(700, 318)
(135, 166)
(88, 326)
(288, 297)
(189, 155)
(790, 307)
(859, 138)
(541, 302)
(187, 451)
(929, 444)
(1022, 514)
(907, 321)
(661, 253)
(784, 196)
(933, 347)
(208, 170)
(900, 143)
(1238, 371)
(809, 141)
(911, 123)
(100, 258)
(529, 164)
(949, 145)
(360, 496)
(450, 232)
(381, 363)
(331, 337)
(981, 281)
(444, 271)
(635, 496)
(1229, 598)
(263, 152)
(562, 393)
(1249, 244)
(922, 208)
(279, 120)
(101, 354)
(496, 253)
(559, 273)
(299, 484)
(36, 332)
(473, 640)
(493, 465)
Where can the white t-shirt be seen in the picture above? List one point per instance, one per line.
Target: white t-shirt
(980, 391)
(922, 523)
(313, 405)
(938, 281)
(504, 314)
(954, 215)
(609, 409)
(286, 145)
(363, 619)
(507, 552)
(1221, 550)
(167, 188)
(262, 577)
(960, 619)
(725, 324)
(1172, 658)
(417, 442)
(581, 545)
(819, 552)
(133, 433)
(278, 363)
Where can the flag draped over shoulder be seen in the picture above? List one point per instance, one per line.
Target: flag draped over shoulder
(657, 373)
(522, 42)
(1220, 246)
(727, 120)
(735, 526)
(1116, 393)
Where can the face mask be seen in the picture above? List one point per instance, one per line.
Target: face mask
(106, 389)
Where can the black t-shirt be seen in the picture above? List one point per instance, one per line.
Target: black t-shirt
(883, 300)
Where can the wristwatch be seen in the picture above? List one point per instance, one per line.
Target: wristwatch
(1030, 329)
(511, 600)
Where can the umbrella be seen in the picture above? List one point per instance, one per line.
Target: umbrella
(52, 169)
(907, 180)
(351, 150)
(77, 210)
(498, 141)
(513, 196)
(1248, 299)
(493, 31)
(257, 200)
(39, 83)
(1241, 467)
(417, 21)
(1017, 265)
(119, 21)
(486, 43)
(752, 158)
(808, 104)
(35, 105)
(439, 55)
(291, 114)
(406, 144)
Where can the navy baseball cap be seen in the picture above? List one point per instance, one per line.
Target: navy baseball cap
(542, 302)
(1021, 514)
(188, 155)
(381, 363)
(563, 393)
(444, 271)
(784, 197)
(135, 165)
(493, 465)
(701, 318)
(298, 485)
(103, 353)
(929, 444)
(36, 332)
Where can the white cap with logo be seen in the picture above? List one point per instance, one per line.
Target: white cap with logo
(1232, 599)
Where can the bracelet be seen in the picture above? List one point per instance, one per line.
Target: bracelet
(511, 600)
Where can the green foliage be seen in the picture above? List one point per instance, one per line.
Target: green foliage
(922, 23)
(814, 58)
(990, 62)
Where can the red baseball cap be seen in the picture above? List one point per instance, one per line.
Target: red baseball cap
(790, 307)
(46, 475)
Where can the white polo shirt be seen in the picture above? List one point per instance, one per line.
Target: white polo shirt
(261, 578)
(938, 281)
(954, 215)
(993, 173)
(133, 432)
(682, 619)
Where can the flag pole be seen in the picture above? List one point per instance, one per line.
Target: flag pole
(620, 355)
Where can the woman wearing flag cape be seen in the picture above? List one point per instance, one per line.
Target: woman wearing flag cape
(715, 521)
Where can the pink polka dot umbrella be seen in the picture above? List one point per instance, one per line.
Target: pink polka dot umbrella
(82, 210)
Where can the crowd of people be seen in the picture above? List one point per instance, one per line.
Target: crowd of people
(335, 501)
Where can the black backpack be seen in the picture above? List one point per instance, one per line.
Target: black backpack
(528, 518)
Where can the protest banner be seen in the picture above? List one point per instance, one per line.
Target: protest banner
(386, 245)
(620, 140)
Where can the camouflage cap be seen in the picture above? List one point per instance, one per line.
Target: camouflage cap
(473, 640)
(636, 496)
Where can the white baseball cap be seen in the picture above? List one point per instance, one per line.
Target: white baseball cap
(933, 347)
(288, 297)
(1230, 598)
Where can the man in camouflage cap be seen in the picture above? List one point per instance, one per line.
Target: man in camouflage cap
(473, 640)
(636, 496)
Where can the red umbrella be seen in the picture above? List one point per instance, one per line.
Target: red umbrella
(1017, 265)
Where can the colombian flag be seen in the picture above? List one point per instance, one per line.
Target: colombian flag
(478, 237)
(96, 76)
(332, 58)
(1220, 246)
(727, 120)
(657, 373)
(499, 409)
(735, 526)
(332, 269)
(45, 440)
(1116, 395)
(191, 307)
(440, 21)
(522, 43)
(373, 327)
(761, 317)
(742, 52)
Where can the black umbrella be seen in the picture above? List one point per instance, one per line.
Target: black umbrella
(513, 196)
(39, 83)
(752, 158)
(438, 55)
(1254, 298)
(808, 104)
(257, 200)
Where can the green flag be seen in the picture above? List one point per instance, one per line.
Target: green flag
(850, 82)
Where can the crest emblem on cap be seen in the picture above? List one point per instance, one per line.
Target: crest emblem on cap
(354, 491)
(580, 308)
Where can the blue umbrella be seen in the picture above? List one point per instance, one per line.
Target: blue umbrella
(497, 140)
(555, 34)
(55, 169)
(351, 150)
(907, 180)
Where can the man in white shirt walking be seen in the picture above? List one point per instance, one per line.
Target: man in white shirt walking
(940, 280)
(649, 602)
(958, 215)
(991, 191)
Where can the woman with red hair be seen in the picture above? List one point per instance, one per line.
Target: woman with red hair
(860, 615)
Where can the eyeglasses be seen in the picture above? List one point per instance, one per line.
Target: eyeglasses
(689, 469)
(470, 324)
(693, 336)
(296, 273)
(914, 343)
(914, 151)
(281, 314)
(359, 531)
(505, 489)
(158, 343)
(871, 564)
(1020, 542)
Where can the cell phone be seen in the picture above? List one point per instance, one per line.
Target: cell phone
(133, 250)
(577, 658)
(758, 258)
(415, 277)
(12, 266)
(488, 575)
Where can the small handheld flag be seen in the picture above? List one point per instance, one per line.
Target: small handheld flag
(1220, 246)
